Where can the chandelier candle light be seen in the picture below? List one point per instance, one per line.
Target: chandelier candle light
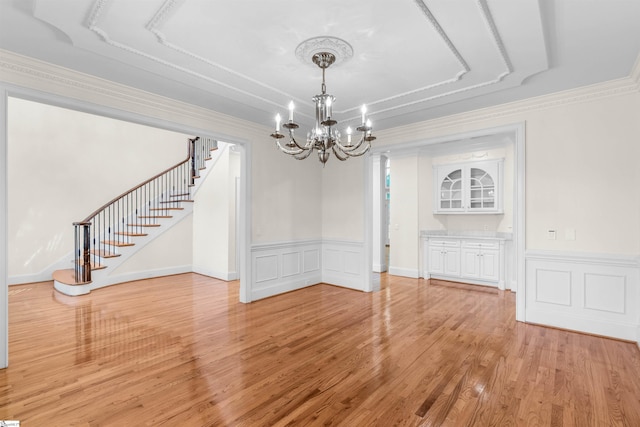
(324, 137)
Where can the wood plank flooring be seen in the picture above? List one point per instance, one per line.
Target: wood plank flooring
(181, 351)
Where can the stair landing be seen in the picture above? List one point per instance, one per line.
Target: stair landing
(67, 277)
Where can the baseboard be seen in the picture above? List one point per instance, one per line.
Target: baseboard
(42, 276)
(375, 282)
(29, 278)
(413, 273)
(619, 330)
(379, 268)
(140, 275)
(226, 276)
(282, 287)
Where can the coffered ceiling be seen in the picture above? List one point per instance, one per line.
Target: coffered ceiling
(408, 60)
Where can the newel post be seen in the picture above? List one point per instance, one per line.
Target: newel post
(192, 149)
(82, 256)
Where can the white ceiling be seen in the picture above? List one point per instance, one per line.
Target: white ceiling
(412, 59)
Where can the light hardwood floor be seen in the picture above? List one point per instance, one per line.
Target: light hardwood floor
(181, 351)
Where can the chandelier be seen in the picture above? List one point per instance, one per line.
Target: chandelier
(324, 137)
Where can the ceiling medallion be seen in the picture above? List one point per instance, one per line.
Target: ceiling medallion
(340, 49)
(324, 138)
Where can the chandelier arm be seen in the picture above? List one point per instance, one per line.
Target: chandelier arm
(338, 153)
(349, 149)
(288, 151)
(307, 146)
(352, 154)
(303, 156)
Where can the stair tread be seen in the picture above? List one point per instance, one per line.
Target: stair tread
(129, 233)
(67, 277)
(102, 253)
(155, 216)
(179, 195)
(166, 209)
(95, 266)
(144, 225)
(117, 243)
(177, 201)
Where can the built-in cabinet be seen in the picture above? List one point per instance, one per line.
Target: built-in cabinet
(469, 259)
(468, 188)
(480, 260)
(444, 257)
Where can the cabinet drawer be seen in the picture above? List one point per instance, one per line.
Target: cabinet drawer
(444, 243)
(480, 245)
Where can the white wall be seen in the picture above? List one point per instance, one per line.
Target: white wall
(287, 195)
(582, 173)
(581, 165)
(214, 220)
(234, 177)
(63, 165)
(404, 239)
(169, 253)
(342, 198)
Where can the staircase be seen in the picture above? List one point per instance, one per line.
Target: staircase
(123, 226)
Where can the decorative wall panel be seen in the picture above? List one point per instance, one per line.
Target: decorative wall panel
(605, 292)
(553, 287)
(598, 294)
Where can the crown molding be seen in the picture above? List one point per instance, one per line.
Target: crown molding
(32, 73)
(612, 88)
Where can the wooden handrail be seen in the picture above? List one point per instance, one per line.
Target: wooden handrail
(115, 199)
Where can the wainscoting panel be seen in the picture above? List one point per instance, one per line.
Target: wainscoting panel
(287, 266)
(605, 292)
(553, 287)
(598, 294)
(266, 267)
(311, 260)
(291, 264)
(284, 267)
(342, 264)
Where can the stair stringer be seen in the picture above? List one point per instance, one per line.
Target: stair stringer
(106, 277)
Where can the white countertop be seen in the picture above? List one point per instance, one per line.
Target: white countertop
(467, 234)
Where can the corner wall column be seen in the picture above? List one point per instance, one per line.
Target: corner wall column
(4, 290)
(379, 213)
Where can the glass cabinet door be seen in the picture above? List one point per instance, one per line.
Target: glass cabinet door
(470, 187)
(451, 191)
(482, 189)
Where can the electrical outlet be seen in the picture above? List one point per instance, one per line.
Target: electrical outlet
(551, 234)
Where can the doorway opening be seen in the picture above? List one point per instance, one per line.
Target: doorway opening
(413, 159)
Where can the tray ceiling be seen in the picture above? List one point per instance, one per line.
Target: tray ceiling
(412, 59)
